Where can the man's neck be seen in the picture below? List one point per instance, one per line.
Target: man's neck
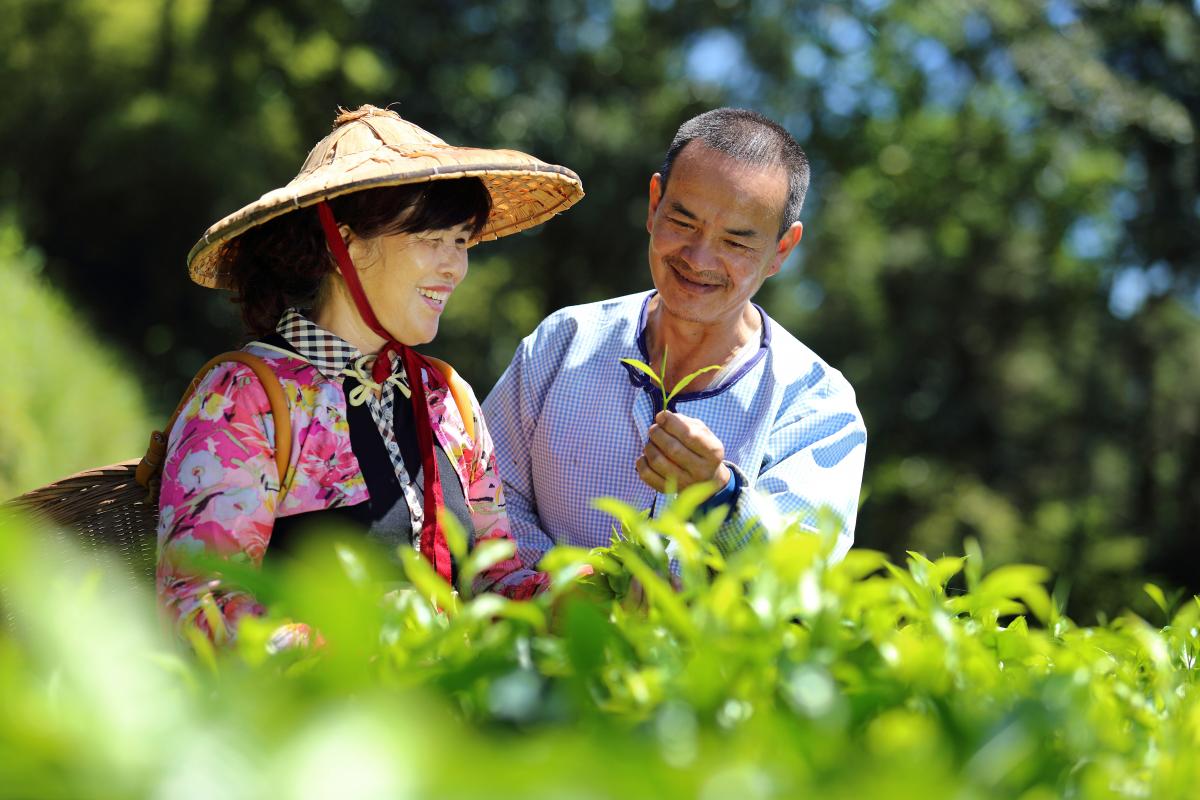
(694, 345)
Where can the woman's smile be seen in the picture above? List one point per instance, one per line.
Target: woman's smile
(435, 296)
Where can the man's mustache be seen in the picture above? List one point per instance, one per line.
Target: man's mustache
(685, 269)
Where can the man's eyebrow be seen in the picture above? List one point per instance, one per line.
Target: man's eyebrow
(742, 233)
(679, 209)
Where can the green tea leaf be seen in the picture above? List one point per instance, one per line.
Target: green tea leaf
(663, 383)
(660, 595)
(1156, 594)
(488, 607)
(1012, 580)
(426, 580)
(684, 381)
(860, 562)
(456, 537)
(628, 516)
(973, 570)
(644, 367)
(946, 568)
(486, 555)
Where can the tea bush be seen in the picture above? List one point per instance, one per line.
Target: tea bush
(767, 673)
(69, 402)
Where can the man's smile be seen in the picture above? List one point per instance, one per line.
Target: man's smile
(689, 281)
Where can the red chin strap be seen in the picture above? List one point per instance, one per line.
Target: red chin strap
(433, 539)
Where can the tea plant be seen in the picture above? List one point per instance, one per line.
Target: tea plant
(768, 672)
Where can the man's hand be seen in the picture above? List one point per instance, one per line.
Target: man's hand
(681, 451)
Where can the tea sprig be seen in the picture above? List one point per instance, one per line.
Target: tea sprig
(660, 380)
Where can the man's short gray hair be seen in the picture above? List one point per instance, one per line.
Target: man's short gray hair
(753, 139)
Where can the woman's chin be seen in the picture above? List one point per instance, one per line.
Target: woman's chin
(418, 338)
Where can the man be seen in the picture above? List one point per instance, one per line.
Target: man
(774, 430)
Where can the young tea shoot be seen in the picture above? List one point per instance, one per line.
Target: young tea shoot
(660, 380)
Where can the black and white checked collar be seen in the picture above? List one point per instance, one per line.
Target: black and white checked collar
(329, 353)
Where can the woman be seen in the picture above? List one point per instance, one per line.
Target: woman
(337, 275)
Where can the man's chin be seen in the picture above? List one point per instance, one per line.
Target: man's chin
(688, 309)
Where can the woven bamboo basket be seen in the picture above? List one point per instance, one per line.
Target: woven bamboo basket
(103, 510)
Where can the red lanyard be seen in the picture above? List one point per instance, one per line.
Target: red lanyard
(433, 539)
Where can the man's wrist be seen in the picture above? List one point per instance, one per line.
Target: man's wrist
(727, 494)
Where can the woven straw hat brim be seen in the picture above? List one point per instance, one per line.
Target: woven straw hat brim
(525, 191)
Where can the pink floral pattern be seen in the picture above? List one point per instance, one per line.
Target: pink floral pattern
(221, 487)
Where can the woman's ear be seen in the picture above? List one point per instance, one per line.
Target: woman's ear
(363, 252)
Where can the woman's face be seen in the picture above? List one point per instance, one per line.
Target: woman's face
(409, 277)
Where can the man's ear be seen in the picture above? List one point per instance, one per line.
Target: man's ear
(791, 237)
(656, 193)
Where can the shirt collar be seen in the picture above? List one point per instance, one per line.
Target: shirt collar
(727, 378)
(326, 351)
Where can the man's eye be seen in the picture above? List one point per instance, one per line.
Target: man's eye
(736, 245)
(680, 223)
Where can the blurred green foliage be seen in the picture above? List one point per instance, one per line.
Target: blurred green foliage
(1001, 246)
(69, 404)
(770, 673)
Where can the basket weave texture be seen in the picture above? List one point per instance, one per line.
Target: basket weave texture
(101, 510)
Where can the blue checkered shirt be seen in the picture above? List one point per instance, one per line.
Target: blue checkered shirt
(569, 421)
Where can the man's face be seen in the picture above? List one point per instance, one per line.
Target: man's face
(714, 233)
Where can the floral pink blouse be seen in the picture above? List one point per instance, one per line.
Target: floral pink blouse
(221, 488)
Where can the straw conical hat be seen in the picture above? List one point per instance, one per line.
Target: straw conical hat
(374, 147)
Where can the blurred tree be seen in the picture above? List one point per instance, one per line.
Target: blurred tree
(1002, 232)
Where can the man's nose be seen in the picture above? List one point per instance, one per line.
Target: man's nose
(698, 255)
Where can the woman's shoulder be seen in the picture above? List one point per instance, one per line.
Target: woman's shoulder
(286, 364)
(239, 386)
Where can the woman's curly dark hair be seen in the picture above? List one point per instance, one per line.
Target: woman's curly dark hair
(283, 262)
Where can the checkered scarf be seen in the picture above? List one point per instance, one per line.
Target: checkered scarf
(336, 358)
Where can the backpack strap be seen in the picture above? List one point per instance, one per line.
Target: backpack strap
(459, 390)
(149, 471)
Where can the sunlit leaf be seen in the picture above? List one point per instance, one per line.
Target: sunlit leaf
(456, 536)
(643, 367)
(1156, 594)
(687, 379)
(486, 554)
(661, 596)
(426, 580)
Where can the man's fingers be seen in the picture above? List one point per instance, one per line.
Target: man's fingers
(662, 463)
(679, 454)
(651, 478)
(681, 451)
(677, 425)
(691, 433)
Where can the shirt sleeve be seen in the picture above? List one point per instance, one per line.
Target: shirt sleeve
(815, 457)
(512, 410)
(512, 577)
(220, 486)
